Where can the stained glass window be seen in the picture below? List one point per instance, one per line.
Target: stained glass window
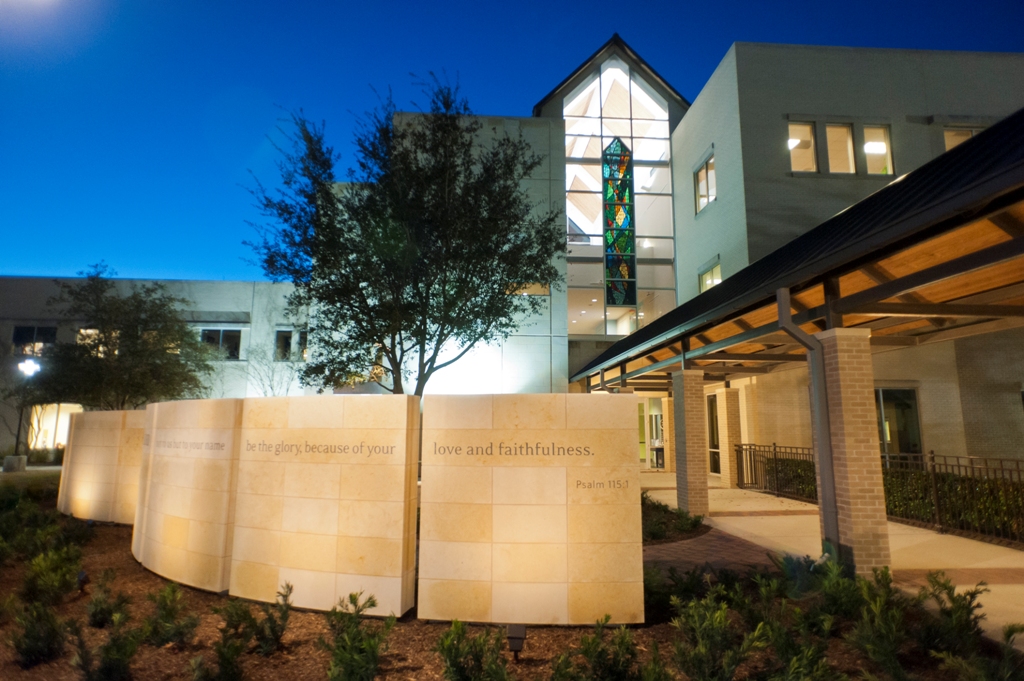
(619, 230)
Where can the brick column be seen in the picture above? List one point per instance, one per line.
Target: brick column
(668, 433)
(860, 498)
(691, 441)
(728, 433)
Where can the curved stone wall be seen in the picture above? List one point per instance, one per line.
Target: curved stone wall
(100, 477)
(320, 491)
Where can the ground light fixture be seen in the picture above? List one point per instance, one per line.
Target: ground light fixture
(29, 367)
(516, 634)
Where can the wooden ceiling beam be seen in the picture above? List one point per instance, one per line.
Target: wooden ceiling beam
(937, 310)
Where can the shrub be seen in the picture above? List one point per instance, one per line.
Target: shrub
(1009, 666)
(686, 523)
(808, 664)
(168, 624)
(957, 629)
(709, 648)
(472, 658)
(355, 646)
(269, 630)
(841, 597)
(228, 651)
(41, 635)
(115, 655)
(616, 660)
(880, 635)
(51, 576)
(103, 606)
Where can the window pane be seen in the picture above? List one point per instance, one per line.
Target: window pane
(211, 336)
(650, 149)
(656, 276)
(955, 137)
(586, 311)
(585, 100)
(663, 249)
(231, 343)
(646, 102)
(654, 304)
(303, 339)
(614, 127)
(582, 126)
(711, 277)
(23, 335)
(583, 177)
(802, 158)
(614, 89)
(584, 274)
(46, 334)
(712, 185)
(900, 428)
(584, 213)
(656, 180)
(702, 188)
(653, 215)
(655, 129)
(283, 346)
(580, 146)
(621, 321)
(878, 150)
(592, 249)
(840, 148)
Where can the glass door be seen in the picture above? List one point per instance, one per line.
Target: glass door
(714, 448)
(899, 429)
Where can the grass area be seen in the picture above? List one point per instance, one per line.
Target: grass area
(40, 486)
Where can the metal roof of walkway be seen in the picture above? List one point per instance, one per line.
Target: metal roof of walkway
(935, 255)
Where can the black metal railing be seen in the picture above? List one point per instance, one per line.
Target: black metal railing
(968, 495)
(779, 470)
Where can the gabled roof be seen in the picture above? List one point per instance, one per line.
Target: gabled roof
(614, 44)
(949, 190)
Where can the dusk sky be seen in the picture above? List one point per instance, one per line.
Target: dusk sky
(128, 130)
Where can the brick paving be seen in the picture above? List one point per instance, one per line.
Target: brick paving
(716, 548)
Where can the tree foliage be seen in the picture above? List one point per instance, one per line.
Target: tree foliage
(132, 349)
(418, 257)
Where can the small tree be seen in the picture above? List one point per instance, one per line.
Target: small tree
(421, 252)
(271, 376)
(132, 349)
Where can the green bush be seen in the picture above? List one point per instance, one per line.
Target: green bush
(957, 629)
(228, 651)
(472, 658)
(168, 624)
(808, 664)
(103, 606)
(841, 597)
(51, 576)
(1009, 666)
(685, 523)
(40, 635)
(601, 660)
(269, 630)
(709, 648)
(356, 645)
(114, 656)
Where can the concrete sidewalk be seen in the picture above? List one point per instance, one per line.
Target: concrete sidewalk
(787, 526)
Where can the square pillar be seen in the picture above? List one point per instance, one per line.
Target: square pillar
(856, 458)
(668, 433)
(728, 433)
(691, 441)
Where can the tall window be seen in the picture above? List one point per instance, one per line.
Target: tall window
(878, 150)
(899, 430)
(283, 346)
(840, 148)
(710, 277)
(229, 341)
(619, 230)
(704, 183)
(802, 157)
(616, 104)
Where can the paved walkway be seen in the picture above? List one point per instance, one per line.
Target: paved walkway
(747, 523)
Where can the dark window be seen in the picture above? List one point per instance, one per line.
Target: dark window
(30, 340)
(302, 345)
(283, 346)
(714, 448)
(228, 340)
(899, 430)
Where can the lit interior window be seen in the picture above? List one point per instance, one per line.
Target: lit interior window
(957, 136)
(877, 150)
(705, 184)
(710, 277)
(801, 148)
(840, 149)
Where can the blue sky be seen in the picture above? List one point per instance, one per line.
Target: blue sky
(128, 129)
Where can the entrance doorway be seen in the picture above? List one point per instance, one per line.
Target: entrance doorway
(714, 448)
(899, 430)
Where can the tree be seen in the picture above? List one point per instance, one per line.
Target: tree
(131, 349)
(422, 251)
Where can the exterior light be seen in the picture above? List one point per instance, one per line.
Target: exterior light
(29, 367)
(583, 312)
(593, 300)
(793, 143)
(574, 321)
(647, 243)
(516, 634)
(874, 148)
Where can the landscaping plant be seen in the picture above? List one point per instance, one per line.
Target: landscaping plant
(472, 658)
(51, 576)
(41, 635)
(103, 606)
(269, 630)
(709, 647)
(112, 660)
(356, 644)
(599, 659)
(168, 624)
(957, 629)
(1008, 667)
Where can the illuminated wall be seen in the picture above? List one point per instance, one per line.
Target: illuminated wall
(530, 509)
(320, 491)
(100, 477)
